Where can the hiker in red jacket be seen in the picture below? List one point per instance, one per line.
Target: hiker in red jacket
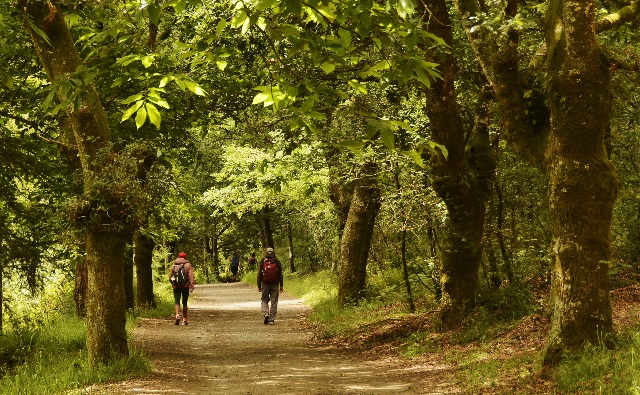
(181, 277)
(270, 283)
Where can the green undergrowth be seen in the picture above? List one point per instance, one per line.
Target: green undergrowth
(320, 291)
(50, 356)
(600, 370)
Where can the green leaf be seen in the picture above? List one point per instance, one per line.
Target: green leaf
(262, 97)
(328, 66)
(49, 99)
(147, 61)
(308, 103)
(345, 37)
(351, 144)
(435, 146)
(195, 88)
(154, 13)
(221, 65)
(357, 86)
(129, 112)
(220, 27)
(317, 115)
(154, 115)
(245, 26)
(413, 154)
(238, 19)
(402, 124)
(132, 98)
(158, 101)
(381, 65)
(387, 137)
(72, 19)
(422, 77)
(405, 8)
(411, 40)
(141, 116)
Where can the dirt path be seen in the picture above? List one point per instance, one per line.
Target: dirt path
(228, 350)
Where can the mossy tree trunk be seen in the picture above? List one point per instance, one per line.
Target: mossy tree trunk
(461, 178)
(356, 238)
(582, 182)
(143, 262)
(105, 240)
(562, 131)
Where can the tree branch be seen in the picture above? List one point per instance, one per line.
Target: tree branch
(617, 19)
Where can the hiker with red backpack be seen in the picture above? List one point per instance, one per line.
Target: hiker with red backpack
(181, 277)
(270, 283)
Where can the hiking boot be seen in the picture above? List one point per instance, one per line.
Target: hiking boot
(266, 319)
(185, 322)
(177, 320)
(272, 322)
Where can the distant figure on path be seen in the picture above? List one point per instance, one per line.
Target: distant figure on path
(252, 263)
(270, 283)
(235, 264)
(181, 277)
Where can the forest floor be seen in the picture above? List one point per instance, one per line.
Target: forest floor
(227, 349)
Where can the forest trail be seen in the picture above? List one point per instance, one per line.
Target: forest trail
(227, 349)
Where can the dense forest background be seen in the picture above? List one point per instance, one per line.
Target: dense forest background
(452, 154)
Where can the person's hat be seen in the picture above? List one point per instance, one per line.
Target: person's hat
(182, 255)
(269, 250)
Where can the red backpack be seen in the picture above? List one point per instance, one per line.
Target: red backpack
(269, 271)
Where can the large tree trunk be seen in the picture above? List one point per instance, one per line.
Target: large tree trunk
(582, 184)
(143, 262)
(566, 141)
(340, 193)
(357, 235)
(106, 334)
(460, 179)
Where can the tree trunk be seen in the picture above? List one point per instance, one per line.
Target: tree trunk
(263, 220)
(143, 261)
(106, 334)
(357, 235)
(207, 255)
(292, 267)
(582, 183)
(403, 249)
(215, 255)
(81, 287)
(567, 141)
(128, 277)
(461, 179)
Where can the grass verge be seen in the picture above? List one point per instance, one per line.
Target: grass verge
(52, 358)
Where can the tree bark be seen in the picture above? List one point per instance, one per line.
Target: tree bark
(357, 235)
(566, 140)
(143, 262)
(263, 220)
(106, 334)
(461, 179)
(81, 288)
(292, 267)
(582, 183)
(128, 277)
